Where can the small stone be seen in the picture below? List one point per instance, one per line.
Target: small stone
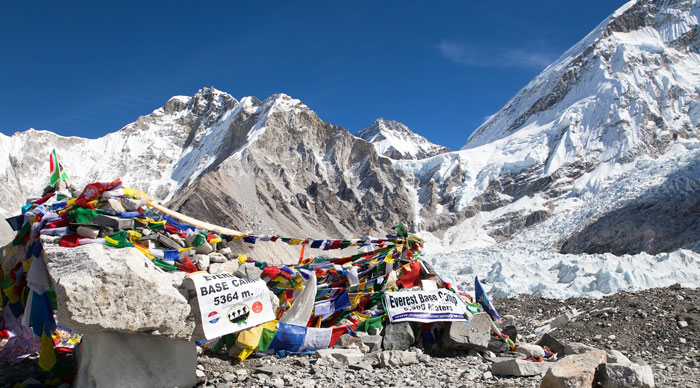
(346, 341)
(347, 356)
(530, 350)
(274, 369)
(115, 223)
(682, 324)
(201, 261)
(391, 358)
(612, 337)
(487, 375)
(362, 365)
(552, 343)
(217, 257)
(169, 242)
(228, 377)
(682, 340)
(204, 248)
(511, 331)
(88, 232)
(130, 204)
(373, 342)
(519, 368)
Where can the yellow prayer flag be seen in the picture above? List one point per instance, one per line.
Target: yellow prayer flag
(134, 236)
(145, 251)
(27, 264)
(11, 294)
(295, 241)
(242, 258)
(47, 354)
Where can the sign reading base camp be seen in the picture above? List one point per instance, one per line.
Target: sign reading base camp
(229, 304)
(424, 306)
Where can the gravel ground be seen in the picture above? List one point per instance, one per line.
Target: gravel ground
(643, 324)
(660, 326)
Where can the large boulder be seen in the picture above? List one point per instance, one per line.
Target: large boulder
(625, 375)
(398, 336)
(474, 334)
(574, 371)
(111, 359)
(101, 288)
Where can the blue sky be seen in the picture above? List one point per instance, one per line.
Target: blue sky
(89, 68)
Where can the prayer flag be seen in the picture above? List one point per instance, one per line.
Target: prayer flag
(484, 301)
(55, 170)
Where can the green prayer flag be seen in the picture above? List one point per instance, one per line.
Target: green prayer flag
(266, 338)
(160, 263)
(372, 323)
(119, 240)
(199, 239)
(21, 233)
(81, 215)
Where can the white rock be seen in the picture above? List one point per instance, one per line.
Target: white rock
(347, 356)
(391, 358)
(217, 257)
(111, 359)
(519, 368)
(100, 288)
(530, 350)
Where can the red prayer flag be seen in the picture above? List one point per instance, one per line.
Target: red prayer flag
(410, 278)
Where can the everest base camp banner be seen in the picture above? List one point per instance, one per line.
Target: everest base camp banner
(424, 306)
(229, 304)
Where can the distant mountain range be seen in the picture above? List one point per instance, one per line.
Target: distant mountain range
(623, 102)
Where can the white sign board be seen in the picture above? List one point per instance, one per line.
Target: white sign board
(424, 306)
(229, 304)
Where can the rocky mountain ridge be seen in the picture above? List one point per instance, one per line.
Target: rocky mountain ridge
(396, 141)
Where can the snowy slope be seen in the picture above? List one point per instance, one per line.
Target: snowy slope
(397, 141)
(529, 263)
(612, 124)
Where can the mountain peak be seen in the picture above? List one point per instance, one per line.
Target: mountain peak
(627, 89)
(396, 141)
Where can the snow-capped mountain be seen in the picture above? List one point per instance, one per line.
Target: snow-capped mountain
(397, 141)
(270, 166)
(586, 182)
(595, 156)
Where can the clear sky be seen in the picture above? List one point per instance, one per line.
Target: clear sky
(440, 67)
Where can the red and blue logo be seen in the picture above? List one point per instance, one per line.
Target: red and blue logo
(213, 317)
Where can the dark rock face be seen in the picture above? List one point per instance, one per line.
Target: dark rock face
(662, 220)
